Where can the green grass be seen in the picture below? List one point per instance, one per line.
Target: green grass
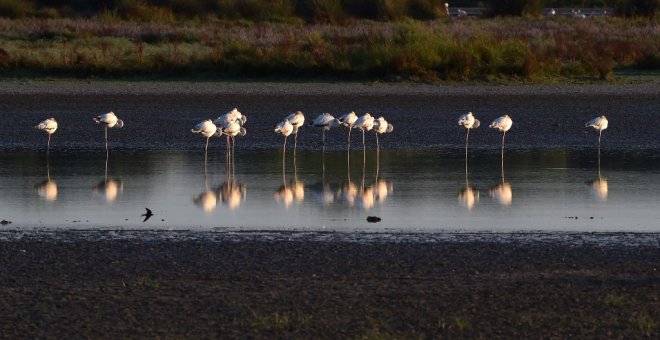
(512, 49)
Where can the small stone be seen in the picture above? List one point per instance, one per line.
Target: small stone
(5, 222)
(373, 219)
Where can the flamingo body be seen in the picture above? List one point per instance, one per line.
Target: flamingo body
(503, 124)
(230, 117)
(296, 119)
(206, 128)
(325, 121)
(598, 123)
(109, 120)
(49, 126)
(468, 121)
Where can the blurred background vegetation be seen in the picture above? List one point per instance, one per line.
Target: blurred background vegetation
(337, 39)
(318, 11)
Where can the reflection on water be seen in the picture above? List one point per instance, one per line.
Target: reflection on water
(549, 187)
(109, 188)
(501, 193)
(47, 189)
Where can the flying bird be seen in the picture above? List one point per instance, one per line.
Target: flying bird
(49, 126)
(206, 129)
(110, 120)
(147, 215)
(325, 121)
(296, 119)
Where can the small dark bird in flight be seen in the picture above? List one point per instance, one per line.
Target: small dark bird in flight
(147, 215)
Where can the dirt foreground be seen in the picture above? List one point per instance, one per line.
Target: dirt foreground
(281, 285)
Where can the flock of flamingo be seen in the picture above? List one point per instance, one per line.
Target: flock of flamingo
(231, 125)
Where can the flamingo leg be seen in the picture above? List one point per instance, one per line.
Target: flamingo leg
(48, 148)
(233, 159)
(206, 148)
(504, 134)
(295, 145)
(364, 154)
(377, 156)
(600, 133)
(284, 160)
(467, 138)
(106, 139)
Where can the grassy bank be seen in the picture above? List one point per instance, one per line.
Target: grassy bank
(513, 48)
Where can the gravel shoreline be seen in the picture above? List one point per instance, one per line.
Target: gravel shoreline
(284, 285)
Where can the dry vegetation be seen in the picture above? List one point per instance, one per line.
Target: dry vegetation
(501, 48)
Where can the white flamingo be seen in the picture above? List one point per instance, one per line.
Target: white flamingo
(285, 129)
(206, 129)
(232, 130)
(325, 121)
(349, 120)
(49, 126)
(503, 124)
(364, 123)
(296, 119)
(469, 122)
(110, 120)
(600, 124)
(230, 117)
(380, 126)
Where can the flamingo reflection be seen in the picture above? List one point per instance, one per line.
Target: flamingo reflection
(207, 200)
(109, 188)
(468, 197)
(48, 188)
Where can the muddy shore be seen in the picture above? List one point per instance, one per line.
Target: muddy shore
(159, 115)
(293, 285)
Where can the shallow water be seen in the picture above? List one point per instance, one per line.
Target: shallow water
(549, 190)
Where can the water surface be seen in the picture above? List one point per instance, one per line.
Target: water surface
(550, 190)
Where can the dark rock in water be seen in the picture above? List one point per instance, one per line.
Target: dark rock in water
(5, 222)
(373, 219)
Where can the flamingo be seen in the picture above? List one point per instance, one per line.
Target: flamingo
(285, 129)
(380, 126)
(296, 119)
(364, 123)
(469, 122)
(232, 130)
(600, 124)
(206, 129)
(326, 121)
(224, 122)
(110, 120)
(503, 124)
(50, 126)
(348, 120)
(229, 117)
